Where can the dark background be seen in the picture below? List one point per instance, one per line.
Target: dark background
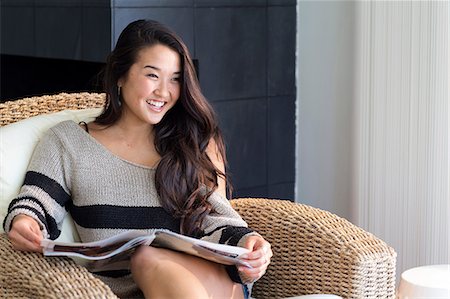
(245, 51)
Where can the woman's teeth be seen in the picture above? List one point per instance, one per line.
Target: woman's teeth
(157, 104)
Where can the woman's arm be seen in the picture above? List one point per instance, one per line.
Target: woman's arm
(43, 196)
(260, 249)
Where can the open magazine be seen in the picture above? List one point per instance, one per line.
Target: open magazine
(114, 253)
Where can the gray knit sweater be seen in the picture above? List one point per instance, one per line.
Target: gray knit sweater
(71, 172)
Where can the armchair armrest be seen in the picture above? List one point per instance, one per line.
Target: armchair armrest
(317, 252)
(30, 275)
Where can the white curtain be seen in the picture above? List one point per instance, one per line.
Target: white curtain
(401, 166)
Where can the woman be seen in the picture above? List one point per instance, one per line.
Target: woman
(153, 159)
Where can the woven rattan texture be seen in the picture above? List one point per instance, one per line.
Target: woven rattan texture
(13, 111)
(318, 252)
(29, 275)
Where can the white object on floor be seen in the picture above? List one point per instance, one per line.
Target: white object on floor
(425, 282)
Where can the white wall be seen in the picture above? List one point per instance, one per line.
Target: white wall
(325, 62)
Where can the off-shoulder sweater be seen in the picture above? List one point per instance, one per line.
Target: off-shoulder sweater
(72, 172)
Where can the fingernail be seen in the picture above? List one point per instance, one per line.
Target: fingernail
(244, 256)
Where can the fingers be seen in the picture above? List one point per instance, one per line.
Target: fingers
(253, 274)
(258, 258)
(25, 234)
(21, 243)
(259, 251)
(257, 264)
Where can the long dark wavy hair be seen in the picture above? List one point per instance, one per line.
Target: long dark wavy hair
(185, 176)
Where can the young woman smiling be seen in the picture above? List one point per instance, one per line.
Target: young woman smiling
(154, 158)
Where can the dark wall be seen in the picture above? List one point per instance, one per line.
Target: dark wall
(50, 46)
(246, 56)
(25, 76)
(58, 29)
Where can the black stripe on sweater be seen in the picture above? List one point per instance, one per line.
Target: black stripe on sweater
(50, 186)
(22, 198)
(232, 234)
(214, 230)
(119, 217)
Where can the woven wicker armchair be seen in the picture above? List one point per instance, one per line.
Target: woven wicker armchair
(314, 251)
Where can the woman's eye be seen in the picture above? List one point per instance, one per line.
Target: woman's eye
(152, 76)
(177, 79)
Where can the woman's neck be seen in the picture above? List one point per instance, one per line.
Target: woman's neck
(132, 133)
(130, 140)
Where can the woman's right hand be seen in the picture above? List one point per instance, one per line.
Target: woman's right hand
(25, 234)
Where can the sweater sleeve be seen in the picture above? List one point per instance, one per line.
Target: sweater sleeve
(45, 193)
(225, 226)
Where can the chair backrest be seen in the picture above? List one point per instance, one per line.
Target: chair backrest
(13, 111)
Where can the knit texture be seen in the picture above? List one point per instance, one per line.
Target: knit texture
(71, 172)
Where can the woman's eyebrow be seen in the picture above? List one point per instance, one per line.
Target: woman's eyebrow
(158, 69)
(152, 67)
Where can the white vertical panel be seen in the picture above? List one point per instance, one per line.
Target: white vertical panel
(402, 127)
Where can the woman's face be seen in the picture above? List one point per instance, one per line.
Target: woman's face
(152, 85)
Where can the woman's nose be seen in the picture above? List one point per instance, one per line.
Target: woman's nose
(162, 90)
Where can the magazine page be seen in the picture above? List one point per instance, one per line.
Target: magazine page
(97, 250)
(219, 253)
(120, 261)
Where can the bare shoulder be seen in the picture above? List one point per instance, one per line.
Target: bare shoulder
(216, 158)
(213, 152)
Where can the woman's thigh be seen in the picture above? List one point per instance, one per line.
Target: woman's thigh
(166, 273)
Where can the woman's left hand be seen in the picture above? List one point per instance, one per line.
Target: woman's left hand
(258, 257)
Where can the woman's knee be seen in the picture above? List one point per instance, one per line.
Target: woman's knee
(148, 258)
(153, 267)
